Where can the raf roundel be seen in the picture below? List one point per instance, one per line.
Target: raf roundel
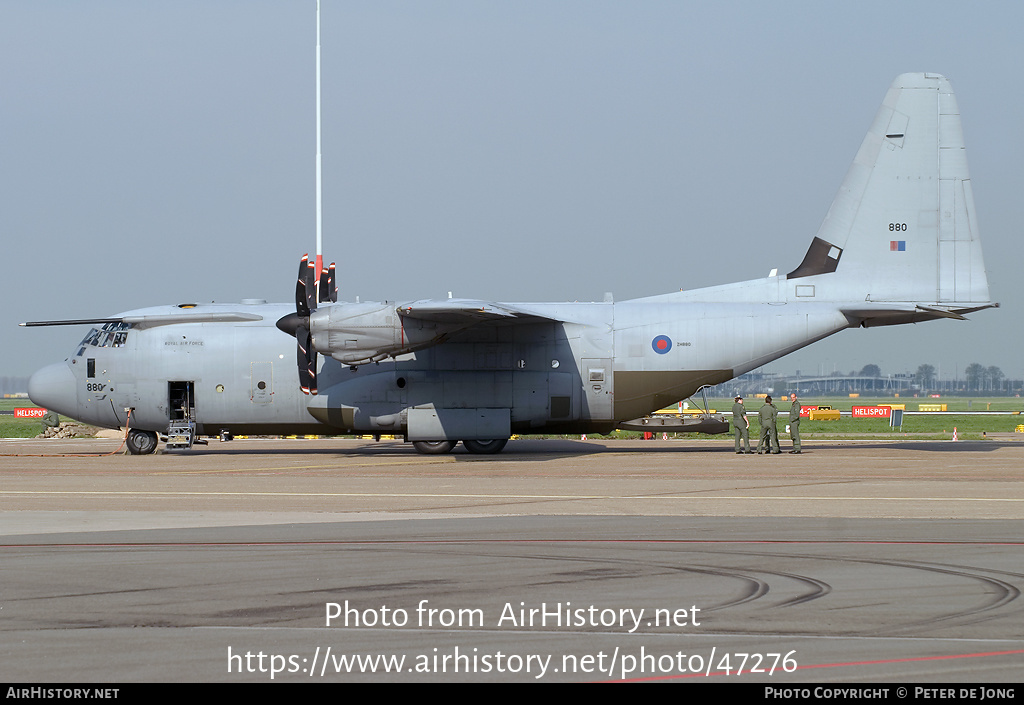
(662, 344)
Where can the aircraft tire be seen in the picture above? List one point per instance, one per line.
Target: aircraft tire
(494, 445)
(141, 442)
(434, 447)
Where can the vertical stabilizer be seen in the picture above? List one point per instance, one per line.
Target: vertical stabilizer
(902, 227)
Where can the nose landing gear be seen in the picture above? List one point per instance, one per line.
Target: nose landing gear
(141, 442)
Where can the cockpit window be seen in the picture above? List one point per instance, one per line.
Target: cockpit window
(111, 335)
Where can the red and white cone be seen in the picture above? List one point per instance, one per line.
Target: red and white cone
(954, 434)
(583, 437)
(664, 436)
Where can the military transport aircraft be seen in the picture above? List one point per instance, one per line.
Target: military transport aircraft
(899, 245)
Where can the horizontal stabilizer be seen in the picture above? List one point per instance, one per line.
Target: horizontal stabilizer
(895, 314)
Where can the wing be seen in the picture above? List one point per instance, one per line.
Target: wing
(467, 312)
(152, 320)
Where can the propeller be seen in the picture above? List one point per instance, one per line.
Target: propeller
(298, 324)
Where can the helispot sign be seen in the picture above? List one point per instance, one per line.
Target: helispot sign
(871, 412)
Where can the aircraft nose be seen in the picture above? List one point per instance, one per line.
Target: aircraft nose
(53, 387)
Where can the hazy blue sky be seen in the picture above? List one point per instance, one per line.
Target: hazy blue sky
(163, 152)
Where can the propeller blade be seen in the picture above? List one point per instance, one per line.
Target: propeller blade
(302, 357)
(328, 289)
(311, 371)
(310, 284)
(306, 360)
(301, 303)
(298, 324)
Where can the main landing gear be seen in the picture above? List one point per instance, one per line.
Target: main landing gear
(434, 447)
(487, 447)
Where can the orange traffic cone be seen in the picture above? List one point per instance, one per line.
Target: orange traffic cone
(954, 434)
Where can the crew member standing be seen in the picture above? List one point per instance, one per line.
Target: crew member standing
(769, 433)
(794, 423)
(741, 426)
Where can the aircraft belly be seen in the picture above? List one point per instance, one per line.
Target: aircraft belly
(637, 393)
(467, 390)
(397, 400)
(527, 377)
(691, 345)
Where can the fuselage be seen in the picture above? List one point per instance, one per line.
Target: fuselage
(584, 368)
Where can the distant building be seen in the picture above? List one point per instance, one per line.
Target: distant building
(777, 383)
(14, 386)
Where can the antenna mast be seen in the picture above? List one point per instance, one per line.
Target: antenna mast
(319, 191)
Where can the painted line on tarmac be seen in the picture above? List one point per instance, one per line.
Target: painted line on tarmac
(330, 466)
(425, 495)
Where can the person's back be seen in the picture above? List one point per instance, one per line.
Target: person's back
(769, 434)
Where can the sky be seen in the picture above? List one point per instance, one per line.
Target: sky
(164, 152)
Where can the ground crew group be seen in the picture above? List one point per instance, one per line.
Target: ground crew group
(769, 441)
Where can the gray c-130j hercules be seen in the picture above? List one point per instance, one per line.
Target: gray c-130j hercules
(899, 245)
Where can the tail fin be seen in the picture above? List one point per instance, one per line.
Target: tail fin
(902, 228)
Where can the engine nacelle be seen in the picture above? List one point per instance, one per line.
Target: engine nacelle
(368, 332)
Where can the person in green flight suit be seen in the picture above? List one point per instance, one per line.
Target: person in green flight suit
(794, 423)
(741, 426)
(769, 433)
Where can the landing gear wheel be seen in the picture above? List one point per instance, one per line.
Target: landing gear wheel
(485, 447)
(434, 447)
(141, 442)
